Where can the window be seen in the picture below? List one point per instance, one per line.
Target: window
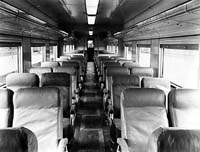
(181, 67)
(37, 55)
(90, 44)
(8, 61)
(129, 53)
(144, 56)
(53, 53)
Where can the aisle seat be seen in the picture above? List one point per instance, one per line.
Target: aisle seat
(111, 71)
(75, 65)
(63, 83)
(39, 109)
(142, 111)
(119, 83)
(75, 90)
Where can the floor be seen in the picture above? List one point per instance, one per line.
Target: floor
(91, 131)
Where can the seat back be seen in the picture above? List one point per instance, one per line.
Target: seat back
(16, 81)
(158, 83)
(174, 140)
(39, 110)
(6, 108)
(142, 71)
(73, 74)
(109, 65)
(62, 82)
(40, 70)
(130, 64)
(184, 107)
(72, 64)
(50, 64)
(142, 111)
(119, 83)
(18, 140)
(111, 71)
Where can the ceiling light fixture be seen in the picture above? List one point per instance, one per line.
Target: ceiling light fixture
(92, 6)
(91, 20)
(91, 33)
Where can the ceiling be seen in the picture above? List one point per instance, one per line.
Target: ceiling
(71, 16)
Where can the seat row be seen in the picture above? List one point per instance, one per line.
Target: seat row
(142, 117)
(145, 122)
(45, 102)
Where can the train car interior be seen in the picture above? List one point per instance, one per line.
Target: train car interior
(99, 75)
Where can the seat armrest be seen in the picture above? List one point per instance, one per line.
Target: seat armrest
(80, 85)
(110, 114)
(62, 146)
(73, 109)
(122, 145)
(73, 114)
(75, 99)
(106, 95)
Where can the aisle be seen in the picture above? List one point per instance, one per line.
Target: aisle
(91, 133)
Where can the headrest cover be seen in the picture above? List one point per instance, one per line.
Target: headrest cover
(130, 64)
(5, 98)
(130, 80)
(111, 64)
(62, 59)
(40, 70)
(69, 70)
(36, 98)
(55, 79)
(18, 139)
(184, 98)
(159, 83)
(70, 64)
(22, 79)
(142, 71)
(50, 64)
(179, 140)
(141, 97)
(116, 70)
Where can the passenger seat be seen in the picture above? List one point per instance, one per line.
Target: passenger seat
(142, 111)
(39, 109)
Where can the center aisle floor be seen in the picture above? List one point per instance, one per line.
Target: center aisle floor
(91, 132)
